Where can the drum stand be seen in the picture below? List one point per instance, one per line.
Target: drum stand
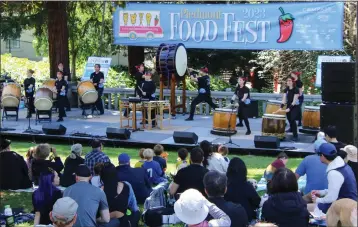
(229, 127)
(1, 128)
(29, 129)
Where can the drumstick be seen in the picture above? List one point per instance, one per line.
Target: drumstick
(279, 111)
(140, 89)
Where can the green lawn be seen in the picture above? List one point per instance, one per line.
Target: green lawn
(255, 165)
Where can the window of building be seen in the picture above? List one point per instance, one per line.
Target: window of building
(14, 44)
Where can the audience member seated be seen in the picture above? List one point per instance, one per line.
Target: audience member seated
(137, 177)
(331, 137)
(352, 159)
(96, 155)
(341, 180)
(215, 187)
(191, 176)
(182, 160)
(71, 164)
(117, 194)
(45, 196)
(158, 151)
(224, 151)
(142, 160)
(14, 173)
(239, 190)
(90, 199)
(40, 163)
(315, 172)
(64, 212)
(343, 212)
(285, 206)
(153, 168)
(29, 159)
(192, 208)
(280, 162)
(213, 160)
(96, 178)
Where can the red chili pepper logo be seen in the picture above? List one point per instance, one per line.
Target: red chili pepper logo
(286, 26)
(156, 20)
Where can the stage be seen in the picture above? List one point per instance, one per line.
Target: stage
(202, 125)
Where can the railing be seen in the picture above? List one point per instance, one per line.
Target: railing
(112, 98)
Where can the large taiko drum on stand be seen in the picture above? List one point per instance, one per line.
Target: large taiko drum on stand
(11, 95)
(274, 125)
(172, 58)
(87, 92)
(43, 99)
(311, 117)
(50, 84)
(224, 121)
(272, 106)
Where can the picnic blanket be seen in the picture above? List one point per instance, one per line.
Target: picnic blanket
(30, 190)
(261, 185)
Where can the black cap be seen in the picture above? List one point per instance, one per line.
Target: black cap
(4, 143)
(96, 143)
(83, 171)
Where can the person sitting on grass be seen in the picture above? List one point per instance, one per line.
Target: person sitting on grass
(45, 196)
(158, 151)
(96, 178)
(285, 207)
(41, 164)
(215, 187)
(142, 159)
(137, 177)
(14, 173)
(29, 159)
(153, 168)
(182, 160)
(352, 159)
(64, 212)
(71, 164)
(331, 137)
(343, 212)
(224, 151)
(280, 162)
(213, 160)
(96, 155)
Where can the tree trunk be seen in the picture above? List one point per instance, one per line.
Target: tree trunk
(73, 65)
(135, 57)
(57, 36)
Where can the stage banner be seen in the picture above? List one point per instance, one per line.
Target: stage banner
(89, 68)
(323, 58)
(281, 26)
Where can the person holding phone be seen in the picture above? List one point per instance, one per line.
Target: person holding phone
(97, 78)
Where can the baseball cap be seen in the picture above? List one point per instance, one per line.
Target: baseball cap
(351, 152)
(4, 143)
(77, 149)
(204, 69)
(83, 171)
(327, 149)
(191, 207)
(123, 158)
(278, 164)
(64, 210)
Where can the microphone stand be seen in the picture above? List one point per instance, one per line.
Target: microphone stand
(29, 129)
(229, 127)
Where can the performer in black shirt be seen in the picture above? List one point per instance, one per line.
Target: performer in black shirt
(243, 94)
(298, 83)
(97, 78)
(147, 90)
(139, 78)
(29, 86)
(66, 74)
(60, 85)
(204, 92)
(290, 97)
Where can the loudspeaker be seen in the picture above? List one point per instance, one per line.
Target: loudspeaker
(185, 137)
(54, 129)
(118, 133)
(267, 142)
(338, 82)
(344, 117)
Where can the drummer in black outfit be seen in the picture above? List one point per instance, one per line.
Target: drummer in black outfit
(97, 78)
(60, 85)
(204, 92)
(298, 83)
(147, 90)
(139, 78)
(29, 86)
(66, 74)
(243, 94)
(290, 97)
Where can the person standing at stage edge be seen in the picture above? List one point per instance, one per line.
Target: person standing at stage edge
(97, 78)
(204, 92)
(66, 74)
(298, 84)
(29, 86)
(290, 97)
(139, 78)
(243, 94)
(60, 85)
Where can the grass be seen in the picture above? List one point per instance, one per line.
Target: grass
(255, 166)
